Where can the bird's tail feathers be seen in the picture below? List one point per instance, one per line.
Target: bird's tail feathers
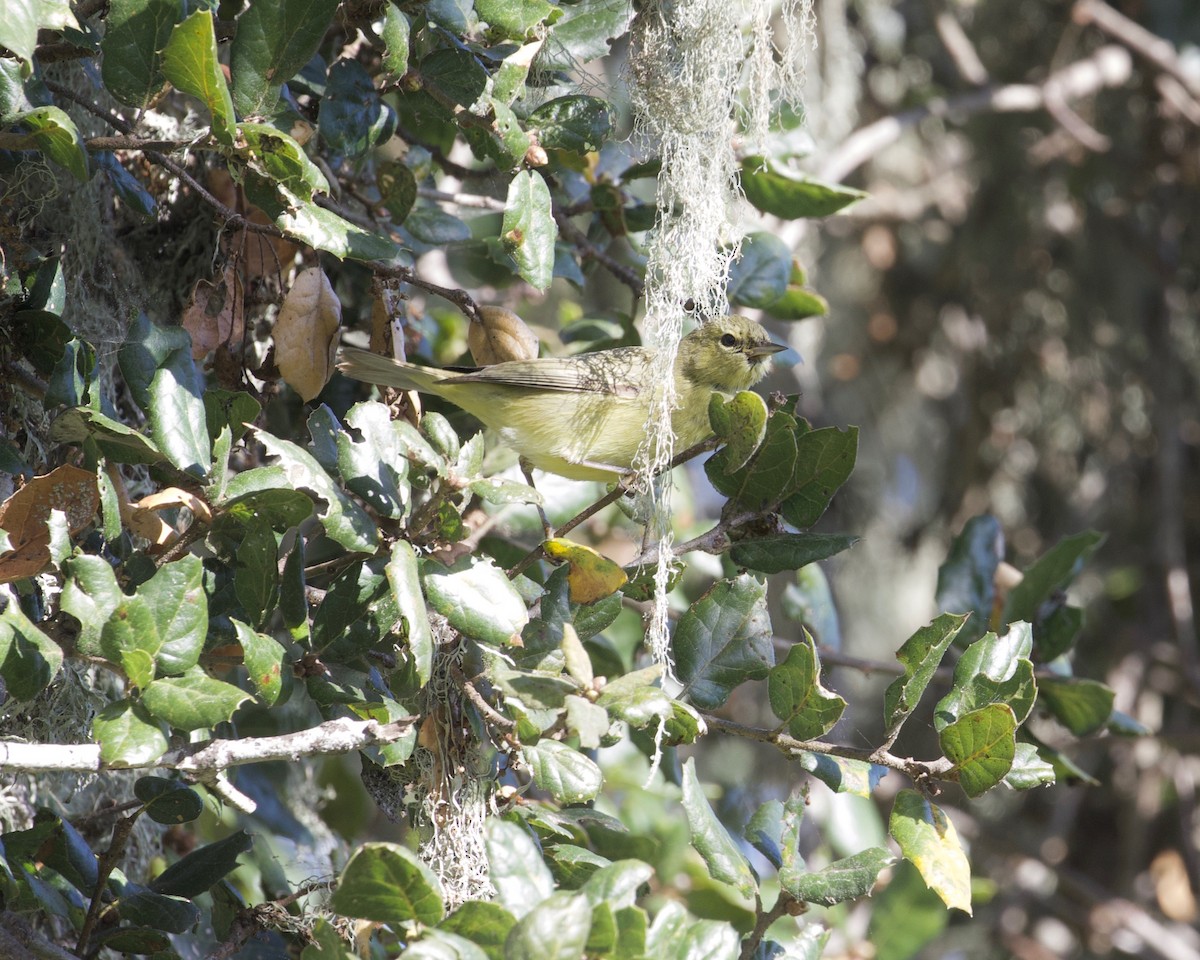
(372, 368)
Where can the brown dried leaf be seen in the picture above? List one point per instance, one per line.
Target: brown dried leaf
(306, 333)
(25, 517)
(216, 313)
(143, 519)
(501, 335)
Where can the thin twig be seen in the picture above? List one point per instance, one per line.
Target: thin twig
(1110, 66)
(477, 698)
(613, 495)
(921, 770)
(1151, 46)
(473, 200)
(784, 904)
(576, 237)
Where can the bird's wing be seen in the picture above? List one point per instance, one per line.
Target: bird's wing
(611, 372)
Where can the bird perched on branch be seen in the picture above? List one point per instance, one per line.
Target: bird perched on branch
(584, 417)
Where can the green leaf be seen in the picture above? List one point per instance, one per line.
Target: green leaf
(764, 831)
(403, 575)
(266, 663)
(157, 363)
(353, 117)
(515, 19)
(1028, 769)
(518, 873)
(432, 225)
(397, 188)
(708, 940)
(24, 18)
(796, 695)
(274, 40)
(992, 670)
(477, 598)
(929, 841)
(617, 884)
(584, 33)
(566, 774)
(256, 571)
(264, 495)
(920, 655)
(190, 62)
(508, 82)
(279, 158)
(789, 197)
(529, 231)
(203, 867)
(824, 460)
(966, 581)
(168, 801)
(741, 423)
(841, 775)
(484, 923)
(809, 600)
(845, 879)
(395, 35)
(795, 469)
(355, 612)
(135, 940)
(455, 75)
(710, 838)
(144, 907)
(577, 124)
(1082, 706)
(29, 659)
(128, 735)
(344, 520)
(572, 866)
(117, 442)
(1052, 572)
(193, 701)
(69, 381)
(53, 132)
(788, 551)
(723, 640)
(981, 744)
(555, 929)
(760, 276)
(798, 303)
(1055, 633)
(165, 623)
(636, 698)
(375, 467)
(388, 883)
(135, 33)
(325, 230)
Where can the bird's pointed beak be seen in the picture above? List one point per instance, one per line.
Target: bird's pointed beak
(758, 351)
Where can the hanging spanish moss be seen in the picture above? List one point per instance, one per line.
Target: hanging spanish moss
(701, 72)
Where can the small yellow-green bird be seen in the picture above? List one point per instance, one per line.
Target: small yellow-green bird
(584, 417)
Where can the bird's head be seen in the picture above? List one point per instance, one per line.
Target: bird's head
(728, 355)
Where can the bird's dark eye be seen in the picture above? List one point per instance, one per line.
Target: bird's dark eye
(729, 340)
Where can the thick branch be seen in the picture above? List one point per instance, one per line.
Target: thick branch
(209, 757)
(1110, 66)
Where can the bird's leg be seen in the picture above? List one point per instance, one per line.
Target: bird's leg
(527, 470)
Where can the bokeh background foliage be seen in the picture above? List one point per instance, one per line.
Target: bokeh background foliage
(267, 685)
